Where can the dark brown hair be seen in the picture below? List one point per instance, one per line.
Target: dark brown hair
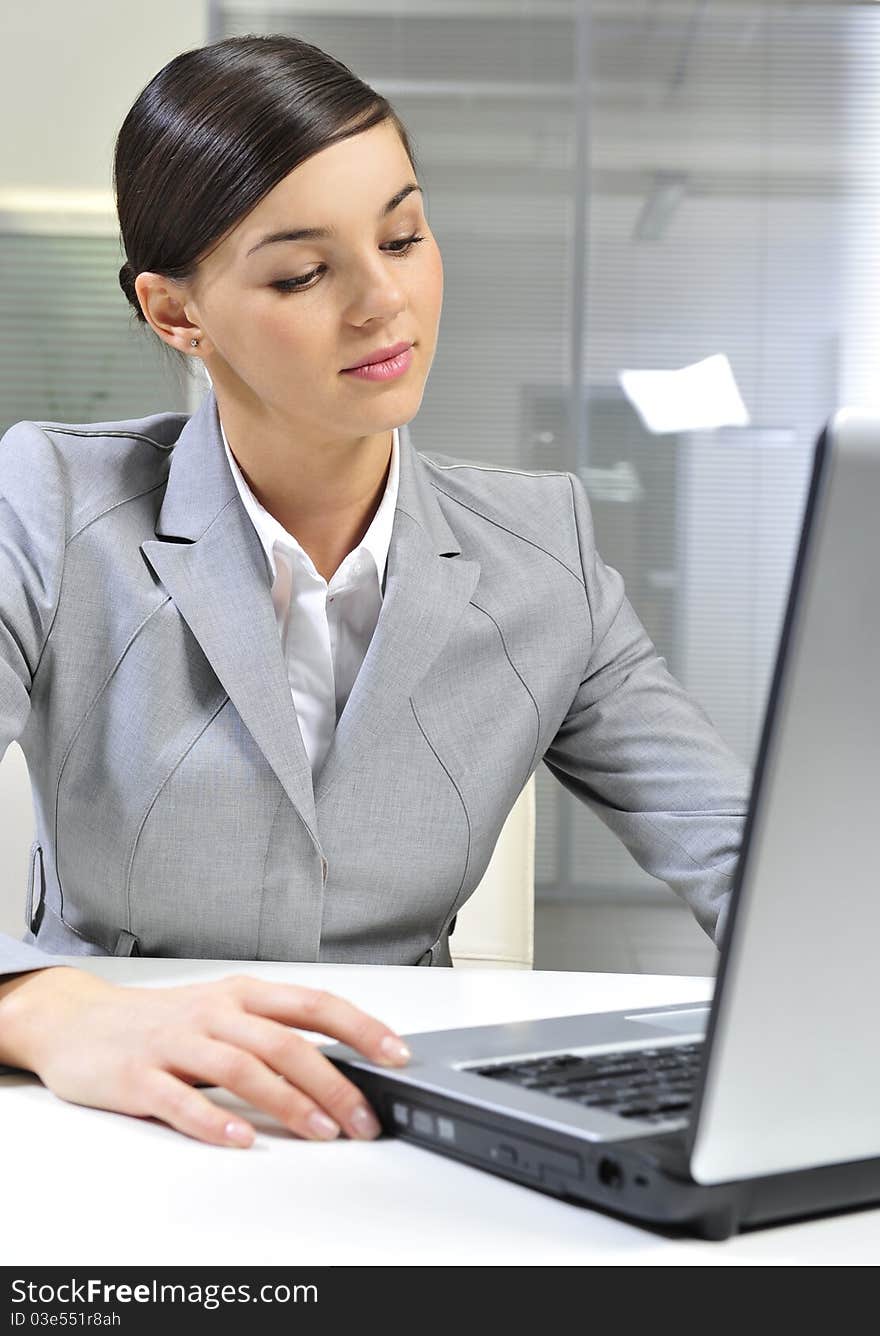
(213, 132)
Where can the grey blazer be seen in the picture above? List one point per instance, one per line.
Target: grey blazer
(141, 672)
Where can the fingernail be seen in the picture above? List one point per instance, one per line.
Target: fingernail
(321, 1125)
(364, 1124)
(238, 1133)
(394, 1049)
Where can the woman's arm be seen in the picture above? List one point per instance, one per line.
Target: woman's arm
(33, 540)
(644, 754)
(25, 988)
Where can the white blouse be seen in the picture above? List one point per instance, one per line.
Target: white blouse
(325, 628)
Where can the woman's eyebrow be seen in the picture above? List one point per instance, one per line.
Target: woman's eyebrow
(316, 233)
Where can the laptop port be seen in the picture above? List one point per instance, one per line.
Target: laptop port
(610, 1173)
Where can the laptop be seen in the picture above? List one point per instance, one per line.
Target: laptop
(765, 1105)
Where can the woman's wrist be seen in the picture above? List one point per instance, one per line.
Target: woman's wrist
(27, 999)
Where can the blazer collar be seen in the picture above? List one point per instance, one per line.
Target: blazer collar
(211, 562)
(200, 484)
(269, 531)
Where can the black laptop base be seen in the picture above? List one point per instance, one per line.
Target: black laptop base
(643, 1180)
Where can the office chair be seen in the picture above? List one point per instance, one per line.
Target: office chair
(496, 926)
(17, 833)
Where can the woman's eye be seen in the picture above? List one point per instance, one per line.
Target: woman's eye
(401, 247)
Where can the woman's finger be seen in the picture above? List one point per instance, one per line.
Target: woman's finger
(244, 1074)
(183, 1108)
(316, 1009)
(324, 1088)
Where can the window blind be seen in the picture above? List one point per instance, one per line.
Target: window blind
(68, 348)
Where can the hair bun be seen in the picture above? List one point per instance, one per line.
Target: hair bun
(127, 277)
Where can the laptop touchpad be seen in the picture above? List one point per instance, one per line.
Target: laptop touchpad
(692, 1021)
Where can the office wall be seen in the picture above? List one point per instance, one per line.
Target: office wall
(69, 73)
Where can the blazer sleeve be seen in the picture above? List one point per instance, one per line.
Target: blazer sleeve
(33, 537)
(644, 754)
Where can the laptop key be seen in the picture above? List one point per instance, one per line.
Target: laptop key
(652, 1083)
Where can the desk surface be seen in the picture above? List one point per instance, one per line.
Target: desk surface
(94, 1187)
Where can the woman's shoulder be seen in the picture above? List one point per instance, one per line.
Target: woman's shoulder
(520, 500)
(158, 430)
(95, 460)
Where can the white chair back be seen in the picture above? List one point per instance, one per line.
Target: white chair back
(17, 834)
(496, 927)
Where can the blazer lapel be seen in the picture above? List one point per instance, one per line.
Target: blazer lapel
(210, 560)
(427, 587)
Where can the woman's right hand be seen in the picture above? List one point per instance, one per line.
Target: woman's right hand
(141, 1050)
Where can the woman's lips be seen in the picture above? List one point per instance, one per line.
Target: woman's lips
(381, 354)
(387, 370)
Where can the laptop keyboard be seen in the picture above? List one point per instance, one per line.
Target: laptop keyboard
(654, 1084)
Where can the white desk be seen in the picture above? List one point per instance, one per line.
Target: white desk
(85, 1186)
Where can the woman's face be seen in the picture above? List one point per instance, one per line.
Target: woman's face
(281, 352)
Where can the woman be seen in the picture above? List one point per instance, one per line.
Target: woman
(197, 792)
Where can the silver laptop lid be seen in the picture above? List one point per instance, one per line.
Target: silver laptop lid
(793, 1078)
